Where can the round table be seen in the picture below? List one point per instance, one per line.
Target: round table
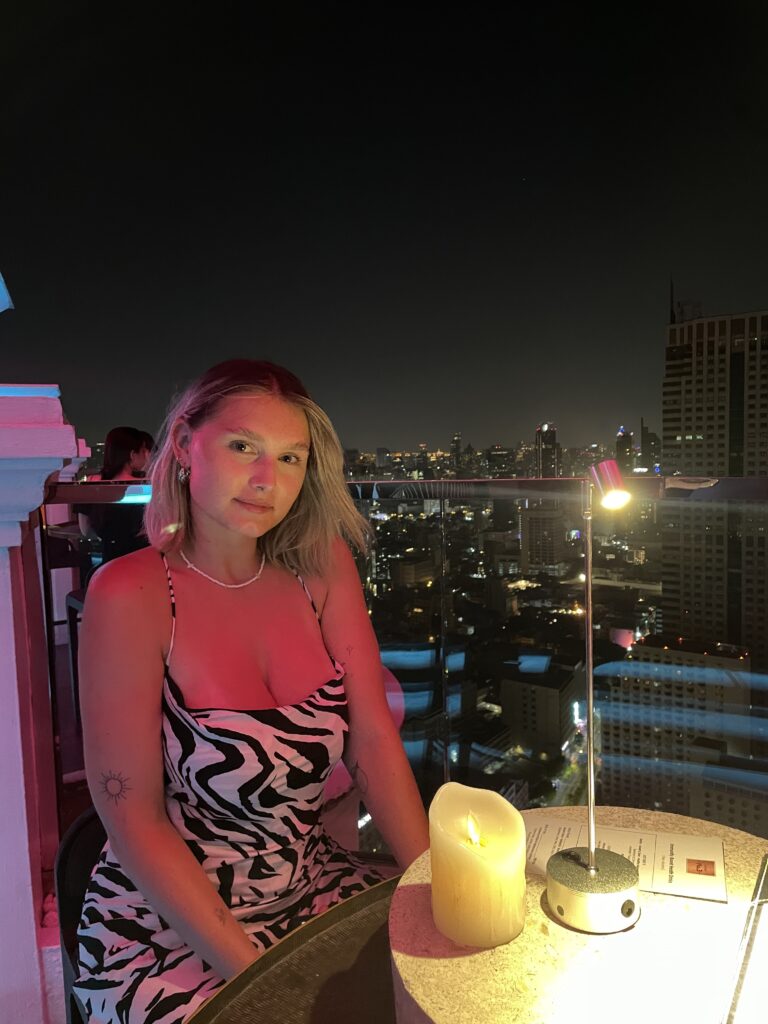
(674, 967)
(335, 969)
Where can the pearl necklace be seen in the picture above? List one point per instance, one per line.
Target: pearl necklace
(228, 586)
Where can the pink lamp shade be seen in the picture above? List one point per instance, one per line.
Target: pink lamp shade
(608, 482)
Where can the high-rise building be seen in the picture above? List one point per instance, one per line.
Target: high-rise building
(671, 708)
(422, 459)
(715, 424)
(625, 456)
(542, 524)
(715, 396)
(456, 452)
(383, 459)
(500, 461)
(650, 450)
(577, 461)
(525, 459)
(715, 569)
(351, 461)
(542, 539)
(730, 793)
(547, 451)
(537, 696)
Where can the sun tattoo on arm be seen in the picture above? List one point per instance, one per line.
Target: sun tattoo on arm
(114, 786)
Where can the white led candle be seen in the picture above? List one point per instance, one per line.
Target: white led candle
(477, 853)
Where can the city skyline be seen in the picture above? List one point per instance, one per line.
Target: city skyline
(415, 447)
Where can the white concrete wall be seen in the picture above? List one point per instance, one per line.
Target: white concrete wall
(34, 443)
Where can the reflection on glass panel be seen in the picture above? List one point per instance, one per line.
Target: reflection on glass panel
(491, 651)
(402, 576)
(514, 558)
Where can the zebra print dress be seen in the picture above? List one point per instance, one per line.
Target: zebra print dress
(245, 790)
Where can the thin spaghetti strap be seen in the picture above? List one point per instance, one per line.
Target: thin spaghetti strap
(173, 607)
(311, 599)
(338, 669)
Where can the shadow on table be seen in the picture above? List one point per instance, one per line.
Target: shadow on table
(417, 935)
(361, 993)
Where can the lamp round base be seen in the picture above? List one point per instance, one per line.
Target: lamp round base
(599, 903)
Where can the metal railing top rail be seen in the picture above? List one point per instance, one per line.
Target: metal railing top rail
(726, 489)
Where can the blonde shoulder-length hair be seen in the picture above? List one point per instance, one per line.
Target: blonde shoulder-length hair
(323, 511)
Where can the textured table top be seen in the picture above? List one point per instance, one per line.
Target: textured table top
(675, 965)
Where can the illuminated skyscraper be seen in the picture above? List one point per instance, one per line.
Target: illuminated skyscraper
(715, 424)
(650, 450)
(542, 524)
(671, 708)
(715, 566)
(542, 539)
(456, 452)
(715, 396)
(422, 459)
(500, 461)
(625, 455)
(547, 451)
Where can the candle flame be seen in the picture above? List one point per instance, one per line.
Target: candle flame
(473, 830)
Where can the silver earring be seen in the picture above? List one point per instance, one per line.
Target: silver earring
(182, 474)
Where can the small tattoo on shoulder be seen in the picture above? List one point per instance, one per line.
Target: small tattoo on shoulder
(221, 914)
(350, 648)
(114, 786)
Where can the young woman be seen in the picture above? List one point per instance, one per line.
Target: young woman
(224, 671)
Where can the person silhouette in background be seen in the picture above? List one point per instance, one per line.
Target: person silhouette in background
(127, 453)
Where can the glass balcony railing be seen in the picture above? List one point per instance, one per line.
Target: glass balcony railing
(476, 593)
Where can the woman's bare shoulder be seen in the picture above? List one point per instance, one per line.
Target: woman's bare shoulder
(127, 610)
(340, 574)
(139, 575)
(341, 565)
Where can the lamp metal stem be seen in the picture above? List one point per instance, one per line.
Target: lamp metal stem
(587, 506)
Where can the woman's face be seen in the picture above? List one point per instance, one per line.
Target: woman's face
(247, 464)
(140, 460)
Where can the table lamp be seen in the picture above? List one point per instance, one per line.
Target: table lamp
(589, 889)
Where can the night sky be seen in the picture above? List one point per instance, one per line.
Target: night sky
(440, 221)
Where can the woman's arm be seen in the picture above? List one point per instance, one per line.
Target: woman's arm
(374, 756)
(121, 675)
